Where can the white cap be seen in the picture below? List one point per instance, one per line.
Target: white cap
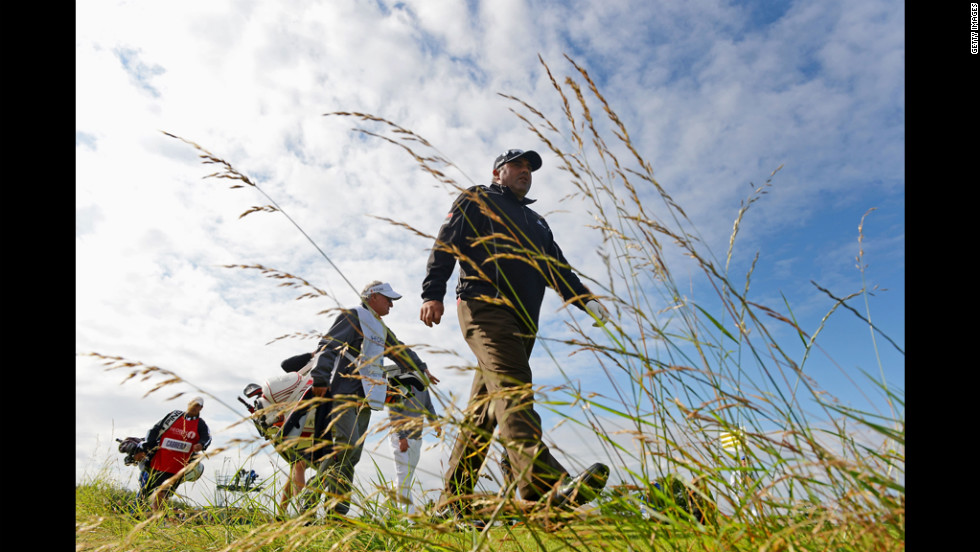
(196, 400)
(384, 288)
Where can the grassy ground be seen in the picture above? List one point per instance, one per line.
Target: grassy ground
(103, 522)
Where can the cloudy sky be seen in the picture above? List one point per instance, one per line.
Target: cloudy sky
(715, 95)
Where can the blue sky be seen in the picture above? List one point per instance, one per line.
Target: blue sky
(715, 95)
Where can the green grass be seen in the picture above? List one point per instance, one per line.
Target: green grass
(680, 372)
(102, 523)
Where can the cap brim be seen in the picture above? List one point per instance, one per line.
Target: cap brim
(533, 158)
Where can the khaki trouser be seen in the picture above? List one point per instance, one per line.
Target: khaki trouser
(501, 397)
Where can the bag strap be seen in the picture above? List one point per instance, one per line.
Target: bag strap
(296, 363)
(170, 420)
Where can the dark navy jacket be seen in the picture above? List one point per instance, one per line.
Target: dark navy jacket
(506, 251)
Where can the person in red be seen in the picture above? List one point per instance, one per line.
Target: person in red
(171, 442)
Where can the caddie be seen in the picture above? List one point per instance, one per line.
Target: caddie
(348, 371)
(171, 442)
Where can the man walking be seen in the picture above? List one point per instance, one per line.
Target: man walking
(171, 442)
(507, 257)
(348, 372)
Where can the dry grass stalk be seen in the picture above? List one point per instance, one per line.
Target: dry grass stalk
(669, 361)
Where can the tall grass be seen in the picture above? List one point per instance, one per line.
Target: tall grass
(679, 374)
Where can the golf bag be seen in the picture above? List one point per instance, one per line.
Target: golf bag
(280, 417)
(401, 379)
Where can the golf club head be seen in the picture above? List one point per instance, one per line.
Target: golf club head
(252, 390)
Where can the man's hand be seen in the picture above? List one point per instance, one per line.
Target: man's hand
(432, 378)
(197, 447)
(403, 444)
(597, 310)
(431, 312)
(320, 391)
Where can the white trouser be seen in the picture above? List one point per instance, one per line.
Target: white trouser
(739, 487)
(405, 463)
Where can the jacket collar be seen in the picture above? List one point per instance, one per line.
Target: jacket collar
(506, 192)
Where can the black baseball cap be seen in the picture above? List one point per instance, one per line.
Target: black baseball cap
(510, 155)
